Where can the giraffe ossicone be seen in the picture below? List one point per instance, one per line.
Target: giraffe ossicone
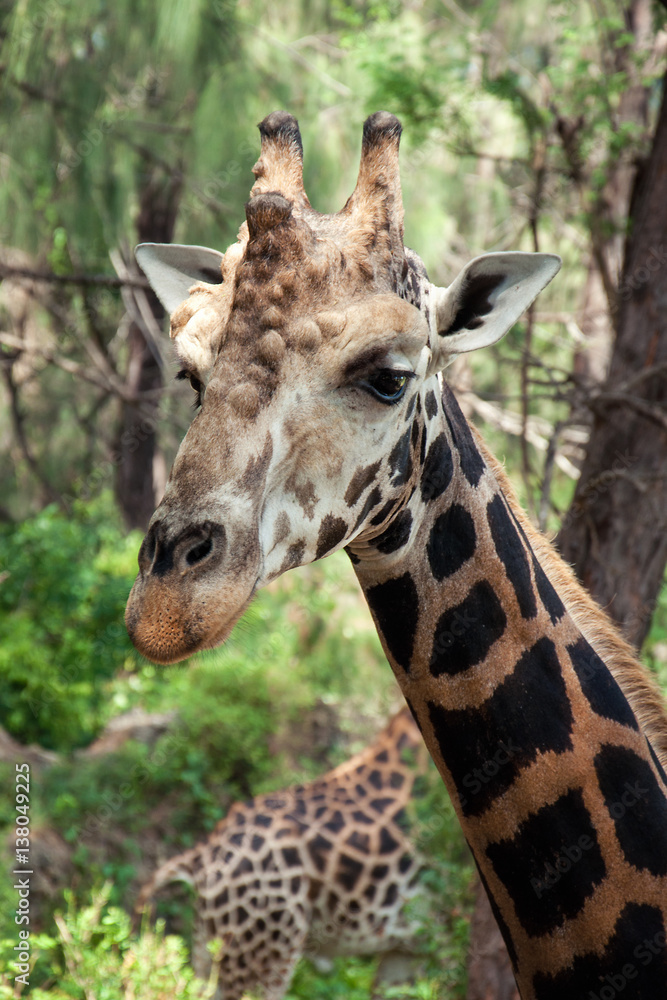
(325, 425)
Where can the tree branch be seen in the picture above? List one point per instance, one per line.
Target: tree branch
(606, 400)
(107, 384)
(51, 495)
(99, 280)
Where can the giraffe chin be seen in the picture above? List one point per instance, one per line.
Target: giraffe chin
(164, 635)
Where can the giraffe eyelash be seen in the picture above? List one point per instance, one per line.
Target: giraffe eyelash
(194, 382)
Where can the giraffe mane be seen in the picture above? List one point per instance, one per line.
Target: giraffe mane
(634, 679)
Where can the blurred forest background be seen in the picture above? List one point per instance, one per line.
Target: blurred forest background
(526, 126)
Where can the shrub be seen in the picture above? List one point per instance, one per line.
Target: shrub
(95, 954)
(62, 598)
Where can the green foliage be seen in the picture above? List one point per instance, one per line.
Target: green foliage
(233, 707)
(107, 74)
(61, 612)
(95, 954)
(655, 649)
(290, 650)
(509, 86)
(349, 978)
(103, 101)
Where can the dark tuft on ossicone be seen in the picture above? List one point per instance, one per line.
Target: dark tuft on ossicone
(281, 125)
(381, 126)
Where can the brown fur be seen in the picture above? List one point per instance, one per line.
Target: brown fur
(640, 688)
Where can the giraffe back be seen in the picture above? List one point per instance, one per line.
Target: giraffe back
(320, 869)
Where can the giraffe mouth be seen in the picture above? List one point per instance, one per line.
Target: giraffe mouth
(166, 629)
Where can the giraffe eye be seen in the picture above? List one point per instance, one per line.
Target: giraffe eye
(387, 385)
(195, 383)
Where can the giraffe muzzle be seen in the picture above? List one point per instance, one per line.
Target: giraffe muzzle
(192, 587)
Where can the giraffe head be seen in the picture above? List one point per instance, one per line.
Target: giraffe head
(313, 344)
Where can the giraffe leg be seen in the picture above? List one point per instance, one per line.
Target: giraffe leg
(396, 968)
(259, 960)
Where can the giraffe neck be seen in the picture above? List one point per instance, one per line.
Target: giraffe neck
(559, 794)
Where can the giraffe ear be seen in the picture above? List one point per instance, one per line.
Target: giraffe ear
(485, 300)
(172, 269)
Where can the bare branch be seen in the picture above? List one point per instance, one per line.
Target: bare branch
(100, 280)
(36, 93)
(549, 460)
(538, 430)
(137, 305)
(51, 495)
(162, 127)
(568, 132)
(109, 384)
(606, 400)
(339, 88)
(642, 375)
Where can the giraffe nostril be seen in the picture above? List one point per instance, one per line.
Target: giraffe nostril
(185, 549)
(200, 542)
(147, 550)
(199, 552)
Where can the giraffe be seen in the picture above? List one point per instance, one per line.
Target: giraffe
(316, 345)
(321, 869)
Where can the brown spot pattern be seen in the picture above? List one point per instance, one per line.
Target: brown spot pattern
(304, 887)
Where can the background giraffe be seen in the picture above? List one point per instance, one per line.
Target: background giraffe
(321, 869)
(319, 353)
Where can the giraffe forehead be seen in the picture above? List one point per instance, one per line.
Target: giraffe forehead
(299, 268)
(343, 341)
(346, 325)
(290, 264)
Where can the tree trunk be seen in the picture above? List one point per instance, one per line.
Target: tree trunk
(490, 975)
(614, 533)
(138, 456)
